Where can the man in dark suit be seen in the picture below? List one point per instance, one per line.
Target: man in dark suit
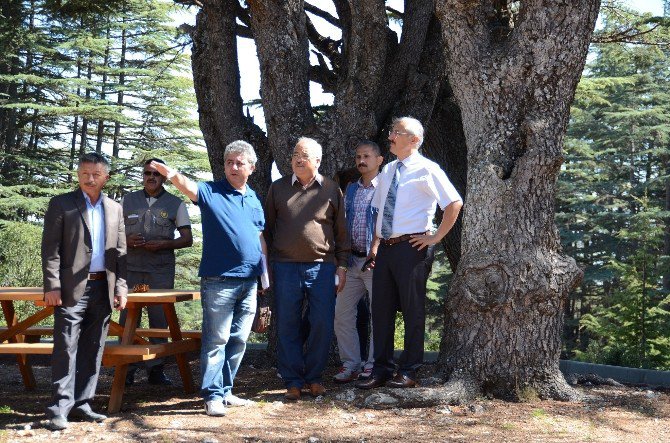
(83, 262)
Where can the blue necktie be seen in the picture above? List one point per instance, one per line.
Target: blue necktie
(389, 205)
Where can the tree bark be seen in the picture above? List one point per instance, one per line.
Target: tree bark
(216, 76)
(283, 53)
(514, 85)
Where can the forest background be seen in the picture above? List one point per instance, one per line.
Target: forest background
(76, 77)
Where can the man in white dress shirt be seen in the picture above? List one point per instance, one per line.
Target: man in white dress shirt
(408, 192)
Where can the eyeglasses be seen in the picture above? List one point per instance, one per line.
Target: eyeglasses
(301, 157)
(393, 132)
(150, 173)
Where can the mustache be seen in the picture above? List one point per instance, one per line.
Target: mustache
(361, 164)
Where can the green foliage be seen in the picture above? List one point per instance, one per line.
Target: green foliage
(20, 260)
(611, 202)
(78, 77)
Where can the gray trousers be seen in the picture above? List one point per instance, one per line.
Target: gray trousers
(346, 312)
(79, 340)
(155, 280)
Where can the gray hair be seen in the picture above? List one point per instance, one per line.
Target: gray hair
(313, 147)
(240, 147)
(95, 158)
(411, 125)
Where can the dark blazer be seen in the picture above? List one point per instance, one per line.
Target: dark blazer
(66, 247)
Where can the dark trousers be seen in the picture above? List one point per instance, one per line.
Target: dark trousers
(156, 315)
(79, 340)
(399, 284)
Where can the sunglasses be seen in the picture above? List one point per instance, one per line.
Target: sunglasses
(150, 173)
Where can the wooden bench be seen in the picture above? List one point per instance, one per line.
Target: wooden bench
(114, 353)
(142, 332)
(26, 348)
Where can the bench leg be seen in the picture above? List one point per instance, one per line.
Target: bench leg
(175, 334)
(120, 371)
(22, 359)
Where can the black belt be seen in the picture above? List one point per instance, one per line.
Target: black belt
(399, 239)
(356, 253)
(102, 275)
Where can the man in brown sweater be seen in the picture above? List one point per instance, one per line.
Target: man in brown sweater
(306, 235)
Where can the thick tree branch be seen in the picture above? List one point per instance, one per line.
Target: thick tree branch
(360, 76)
(216, 78)
(283, 53)
(397, 14)
(322, 75)
(404, 57)
(327, 46)
(323, 14)
(243, 14)
(244, 31)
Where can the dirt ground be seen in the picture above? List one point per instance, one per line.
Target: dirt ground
(154, 414)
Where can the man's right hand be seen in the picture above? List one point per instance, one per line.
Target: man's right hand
(135, 240)
(369, 263)
(52, 298)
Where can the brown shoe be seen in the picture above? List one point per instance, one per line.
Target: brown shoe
(373, 381)
(316, 389)
(292, 394)
(401, 381)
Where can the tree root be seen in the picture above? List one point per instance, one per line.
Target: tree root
(454, 392)
(591, 379)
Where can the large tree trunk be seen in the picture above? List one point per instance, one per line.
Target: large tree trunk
(514, 78)
(216, 77)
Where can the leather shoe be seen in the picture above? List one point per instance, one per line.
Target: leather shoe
(87, 415)
(158, 377)
(58, 423)
(316, 389)
(373, 381)
(292, 394)
(401, 381)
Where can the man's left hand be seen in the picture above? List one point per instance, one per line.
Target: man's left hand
(342, 278)
(120, 302)
(423, 241)
(155, 245)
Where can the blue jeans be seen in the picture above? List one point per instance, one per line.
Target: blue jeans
(228, 308)
(292, 281)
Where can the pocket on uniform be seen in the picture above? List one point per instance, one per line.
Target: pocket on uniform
(165, 227)
(132, 223)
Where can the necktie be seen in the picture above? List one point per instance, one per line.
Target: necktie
(389, 205)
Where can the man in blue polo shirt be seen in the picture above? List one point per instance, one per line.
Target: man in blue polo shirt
(232, 249)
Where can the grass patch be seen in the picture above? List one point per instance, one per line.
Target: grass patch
(4, 409)
(539, 413)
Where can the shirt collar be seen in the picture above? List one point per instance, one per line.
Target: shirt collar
(146, 194)
(88, 200)
(412, 159)
(373, 182)
(318, 178)
(226, 184)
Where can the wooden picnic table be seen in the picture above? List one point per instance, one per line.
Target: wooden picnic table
(133, 347)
